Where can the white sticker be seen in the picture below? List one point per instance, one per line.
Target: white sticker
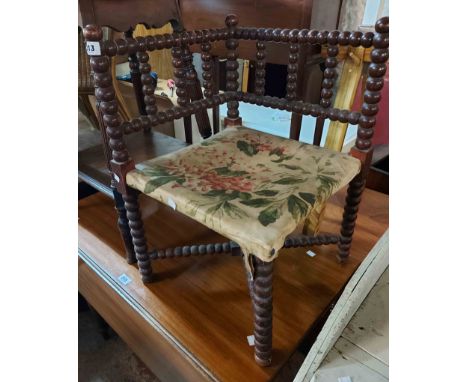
(124, 279)
(171, 203)
(251, 340)
(116, 178)
(93, 48)
(310, 253)
(345, 379)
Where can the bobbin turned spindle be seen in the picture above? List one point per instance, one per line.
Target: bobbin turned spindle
(232, 75)
(363, 147)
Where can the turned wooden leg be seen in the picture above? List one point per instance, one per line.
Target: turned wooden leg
(138, 235)
(262, 298)
(123, 226)
(353, 198)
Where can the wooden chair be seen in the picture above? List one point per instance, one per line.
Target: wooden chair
(252, 187)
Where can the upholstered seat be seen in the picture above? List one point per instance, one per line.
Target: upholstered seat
(254, 188)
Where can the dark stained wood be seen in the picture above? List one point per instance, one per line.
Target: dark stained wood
(231, 71)
(303, 108)
(353, 198)
(262, 300)
(374, 85)
(234, 249)
(124, 227)
(124, 15)
(148, 87)
(105, 96)
(121, 163)
(260, 71)
(202, 14)
(207, 67)
(192, 323)
(216, 91)
(181, 89)
(138, 235)
(328, 82)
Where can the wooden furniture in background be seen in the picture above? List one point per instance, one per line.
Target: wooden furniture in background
(260, 283)
(192, 325)
(85, 83)
(284, 14)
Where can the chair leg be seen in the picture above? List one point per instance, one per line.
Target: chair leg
(353, 198)
(123, 226)
(138, 235)
(262, 299)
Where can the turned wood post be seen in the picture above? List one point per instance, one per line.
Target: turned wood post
(138, 235)
(120, 163)
(260, 71)
(181, 89)
(363, 147)
(147, 81)
(95, 35)
(135, 74)
(232, 75)
(329, 75)
(296, 62)
(261, 292)
(207, 66)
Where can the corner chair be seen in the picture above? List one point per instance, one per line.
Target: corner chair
(253, 188)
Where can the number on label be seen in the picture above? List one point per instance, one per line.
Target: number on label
(93, 48)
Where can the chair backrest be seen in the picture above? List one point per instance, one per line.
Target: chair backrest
(101, 52)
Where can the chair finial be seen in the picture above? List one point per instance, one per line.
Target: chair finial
(231, 20)
(92, 33)
(381, 26)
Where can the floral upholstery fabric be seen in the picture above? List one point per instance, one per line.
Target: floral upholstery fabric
(254, 188)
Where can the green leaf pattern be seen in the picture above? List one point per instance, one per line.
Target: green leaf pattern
(243, 174)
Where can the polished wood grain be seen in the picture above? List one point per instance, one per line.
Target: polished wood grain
(121, 162)
(201, 14)
(195, 318)
(124, 15)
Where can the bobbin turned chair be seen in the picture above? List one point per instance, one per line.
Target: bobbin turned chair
(252, 187)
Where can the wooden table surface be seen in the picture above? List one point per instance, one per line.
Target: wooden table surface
(193, 322)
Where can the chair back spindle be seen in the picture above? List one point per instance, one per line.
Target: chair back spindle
(291, 83)
(260, 65)
(231, 71)
(179, 74)
(147, 83)
(329, 76)
(207, 68)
